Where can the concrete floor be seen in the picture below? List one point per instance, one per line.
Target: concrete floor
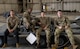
(71, 17)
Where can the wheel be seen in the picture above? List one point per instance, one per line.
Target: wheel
(1, 41)
(77, 21)
(43, 43)
(63, 41)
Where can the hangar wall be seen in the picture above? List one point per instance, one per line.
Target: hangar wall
(50, 5)
(64, 5)
(7, 5)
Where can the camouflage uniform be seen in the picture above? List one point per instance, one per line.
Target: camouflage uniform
(63, 21)
(43, 22)
(12, 24)
(28, 21)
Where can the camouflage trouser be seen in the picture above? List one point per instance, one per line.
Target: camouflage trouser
(26, 23)
(47, 35)
(69, 33)
(29, 25)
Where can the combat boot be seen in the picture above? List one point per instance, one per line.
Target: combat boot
(65, 47)
(5, 45)
(17, 45)
(54, 46)
(37, 46)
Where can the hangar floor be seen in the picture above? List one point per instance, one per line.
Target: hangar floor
(71, 17)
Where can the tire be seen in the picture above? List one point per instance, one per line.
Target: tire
(43, 43)
(1, 41)
(77, 21)
(63, 41)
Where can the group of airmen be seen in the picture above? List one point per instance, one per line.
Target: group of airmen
(61, 23)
